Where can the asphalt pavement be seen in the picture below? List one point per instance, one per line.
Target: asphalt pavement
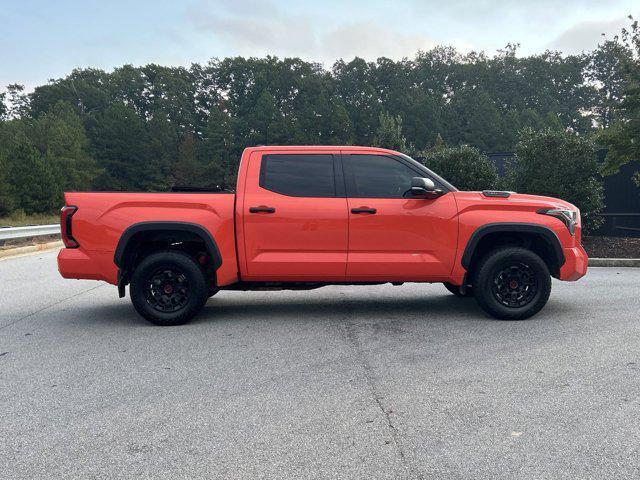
(340, 382)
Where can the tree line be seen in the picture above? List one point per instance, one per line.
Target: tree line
(149, 127)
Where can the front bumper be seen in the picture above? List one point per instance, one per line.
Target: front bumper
(575, 264)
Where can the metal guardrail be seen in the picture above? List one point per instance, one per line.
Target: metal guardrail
(27, 232)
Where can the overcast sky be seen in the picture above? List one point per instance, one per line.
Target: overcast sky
(43, 39)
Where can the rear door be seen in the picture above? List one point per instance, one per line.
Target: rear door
(295, 216)
(393, 236)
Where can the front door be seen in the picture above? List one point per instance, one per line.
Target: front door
(295, 217)
(391, 235)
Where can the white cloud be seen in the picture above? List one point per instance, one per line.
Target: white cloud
(254, 36)
(336, 29)
(249, 32)
(370, 41)
(587, 35)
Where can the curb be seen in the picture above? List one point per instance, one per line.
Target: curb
(40, 247)
(614, 262)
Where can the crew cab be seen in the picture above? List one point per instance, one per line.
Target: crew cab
(309, 216)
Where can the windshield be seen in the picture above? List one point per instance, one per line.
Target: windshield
(434, 176)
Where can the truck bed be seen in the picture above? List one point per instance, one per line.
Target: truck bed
(102, 218)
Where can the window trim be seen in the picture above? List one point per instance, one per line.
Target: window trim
(350, 176)
(338, 177)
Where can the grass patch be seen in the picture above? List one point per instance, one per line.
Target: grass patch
(21, 219)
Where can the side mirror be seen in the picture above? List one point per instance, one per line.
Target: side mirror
(424, 188)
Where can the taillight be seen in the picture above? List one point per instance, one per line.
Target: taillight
(65, 226)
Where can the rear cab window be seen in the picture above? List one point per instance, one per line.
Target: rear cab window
(300, 175)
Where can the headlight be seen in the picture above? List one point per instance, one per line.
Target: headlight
(569, 217)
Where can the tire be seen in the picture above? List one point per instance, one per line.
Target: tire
(169, 288)
(512, 283)
(455, 289)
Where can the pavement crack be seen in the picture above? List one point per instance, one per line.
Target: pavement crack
(351, 336)
(49, 306)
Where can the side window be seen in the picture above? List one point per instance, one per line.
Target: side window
(378, 176)
(298, 175)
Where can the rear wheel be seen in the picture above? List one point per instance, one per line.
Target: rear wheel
(512, 283)
(455, 289)
(169, 288)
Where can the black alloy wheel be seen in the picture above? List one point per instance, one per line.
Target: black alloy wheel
(167, 290)
(515, 285)
(169, 287)
(511, 283)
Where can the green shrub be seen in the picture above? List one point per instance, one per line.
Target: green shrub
(560, 164)
(465, 167)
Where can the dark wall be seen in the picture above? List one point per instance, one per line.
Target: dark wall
(621, 197)
(622, 203)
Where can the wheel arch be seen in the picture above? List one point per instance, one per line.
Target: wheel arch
(161, 231)
(538, 238)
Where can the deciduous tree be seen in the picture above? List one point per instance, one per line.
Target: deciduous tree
(623, 135)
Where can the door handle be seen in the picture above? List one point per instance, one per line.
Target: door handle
(367, 210)
(261, 209)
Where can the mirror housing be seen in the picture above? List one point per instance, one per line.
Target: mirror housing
(424, 188)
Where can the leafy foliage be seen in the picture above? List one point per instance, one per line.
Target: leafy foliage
(147, 127)
(563, 165)
(465, 167)
(120, 145)
(186, 170)
(60, 138)
(33, 181)
(42, 156)
(6, 192)
(389, 133)
(623, 134)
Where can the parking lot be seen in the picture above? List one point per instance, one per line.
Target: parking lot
(339, 382)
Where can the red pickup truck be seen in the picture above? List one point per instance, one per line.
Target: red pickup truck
(306, 217)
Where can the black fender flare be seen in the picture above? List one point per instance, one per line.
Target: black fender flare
(512, 227)
(199, 230)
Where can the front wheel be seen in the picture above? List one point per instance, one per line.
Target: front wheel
(169, 288)
(512, 283)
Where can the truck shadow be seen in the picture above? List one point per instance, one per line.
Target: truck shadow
(427, 308)
(337, 307)
(248, 307)
(244, 308)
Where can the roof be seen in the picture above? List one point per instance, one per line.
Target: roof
(316, 148)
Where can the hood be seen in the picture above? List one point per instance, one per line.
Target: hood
(515, 200)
